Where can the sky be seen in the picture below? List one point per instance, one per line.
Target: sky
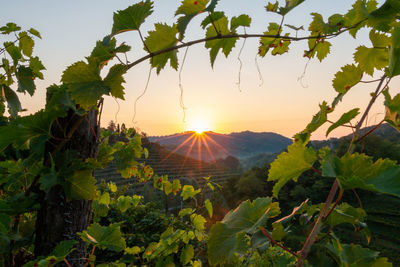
(281, 101)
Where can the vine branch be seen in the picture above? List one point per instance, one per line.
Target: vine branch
(276, 243)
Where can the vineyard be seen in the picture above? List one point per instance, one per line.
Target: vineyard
(54, 212)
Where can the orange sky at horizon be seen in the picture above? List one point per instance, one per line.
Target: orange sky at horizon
(278, 102)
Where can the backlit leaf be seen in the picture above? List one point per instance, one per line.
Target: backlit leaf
(114, 80)
(187, 254)
(392, 105)
(81, 185)
(84, 84)
(369, 59)
(13, 104)
(229, 236)
(189, 192)
(26, 43)
(345, 118)
(162, 37)
(104, 237)
(215, 46)
(356, 255)
(359, 171)
(25, 78)
(290, 165)
(132, 17)
(242, 20)
(9, 28)
(394, 53)
(209, 207)
(349, 76)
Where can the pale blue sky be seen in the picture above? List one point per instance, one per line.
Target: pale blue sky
(282, 104)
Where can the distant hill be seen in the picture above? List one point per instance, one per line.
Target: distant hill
(211, 146)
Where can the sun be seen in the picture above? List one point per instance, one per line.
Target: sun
(199, 125)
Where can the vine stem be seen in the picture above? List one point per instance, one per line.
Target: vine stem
(90, 257)
(303, 253)
(370, 131)
(229, 36)
(335, 204)
(276, 243)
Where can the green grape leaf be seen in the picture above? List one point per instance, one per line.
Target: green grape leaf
(187, 254)
(345, 118)
(162, 37)
(290, 4)
(355, 17)
(132, 17)
(9, 28)
(167, 186)
(13, 104)
(26, 43)
(133, 250)
(36, 66)
(80, 185)
(84, 84)
(124, 203)
(369, 59)
(35, 33)
(184, 212)
(394, 53)
(392, 109)
(242, 20)
(21, 131)
(212, 6)
(176, 186)
(267, 42)
(356, 255)
(58, 101)
(25, 79)
(290, 165)
(318, 119)
(344, 213)
(13, 51)
(349, 76)
(272, 7)
(114, 80)
(379, 39)
(209, 207)
(189, 192)
(63, 249)
(321, 48)
(104, 237)
(105, 199)
(359, 171)
(189, 7)
(48, 180)
(318, 26)
(103, 52)
(278, 231)
(214, 16)
(229, 236)
(215, 45)
(383, 17)
(198, 221)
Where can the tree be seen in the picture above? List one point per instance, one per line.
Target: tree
(63, 139)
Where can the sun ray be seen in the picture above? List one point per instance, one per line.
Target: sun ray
(203, 138)
(217, 144)
(189, 150)
(178, 147)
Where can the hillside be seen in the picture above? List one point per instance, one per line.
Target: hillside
(211, 146)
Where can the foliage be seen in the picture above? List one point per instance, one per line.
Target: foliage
(30, 171)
